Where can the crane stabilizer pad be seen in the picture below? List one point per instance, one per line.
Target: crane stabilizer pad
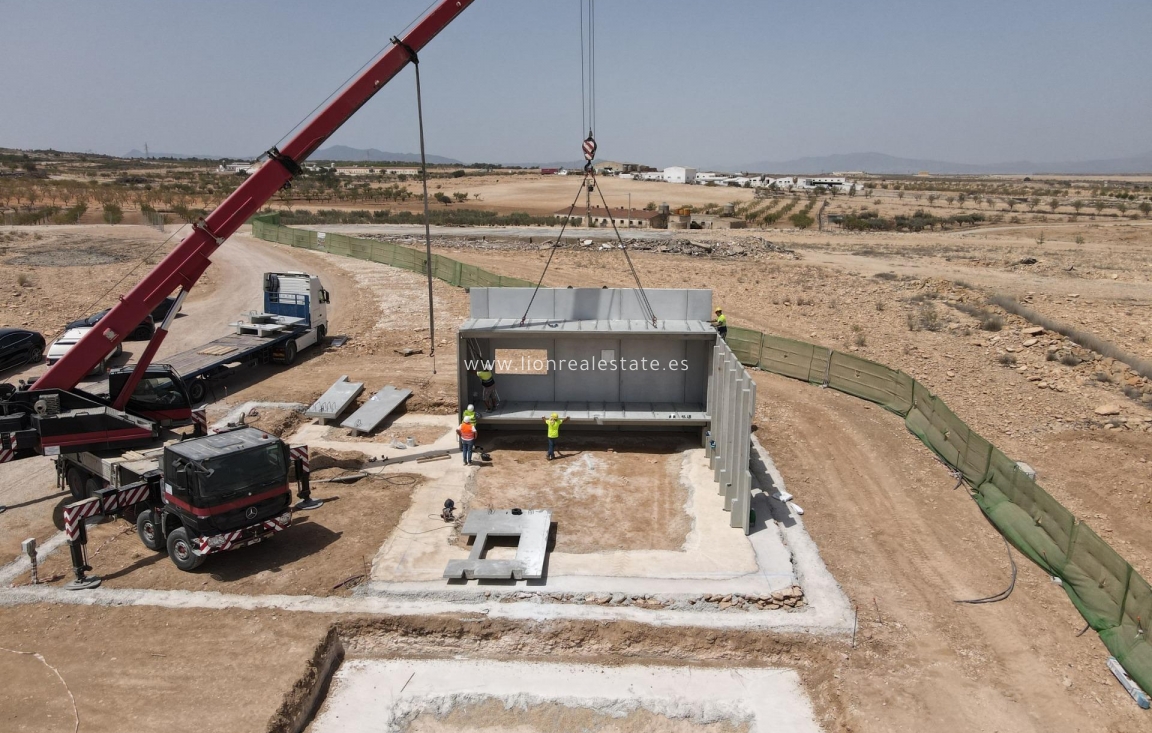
(530, 525)
(335, 400)
(378, 407)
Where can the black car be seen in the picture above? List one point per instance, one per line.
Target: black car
(19, 346)
(143, 332)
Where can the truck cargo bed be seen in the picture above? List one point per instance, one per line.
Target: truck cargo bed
(224, 350)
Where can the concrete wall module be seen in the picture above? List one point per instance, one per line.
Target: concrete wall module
(731, 405)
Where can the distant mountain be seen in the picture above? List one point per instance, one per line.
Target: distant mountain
(891, 164)
(345, 153)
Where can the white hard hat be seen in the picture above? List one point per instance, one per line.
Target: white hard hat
(467, 418)
(470, 407)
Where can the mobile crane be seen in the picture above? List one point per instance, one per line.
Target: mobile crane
(211, 492)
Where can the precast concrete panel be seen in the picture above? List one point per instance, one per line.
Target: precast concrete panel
(699, 305)
(594, 384)
(647, 384)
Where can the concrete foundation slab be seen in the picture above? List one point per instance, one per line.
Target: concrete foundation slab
(531, 527)
(373, 695)
(373, 412)
(335, 400)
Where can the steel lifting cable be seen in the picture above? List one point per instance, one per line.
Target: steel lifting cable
(588, 116)
(427, 224)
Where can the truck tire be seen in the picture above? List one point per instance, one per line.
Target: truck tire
(180, 551)
(289, 353)
(92, 485)
(75, 478)
(149, 531)
(321, 332)
(197, 391)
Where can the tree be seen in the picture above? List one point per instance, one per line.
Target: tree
(1033, 203)
(113, 214)
(1122, 207)
(931, 199)
(1077, 205)
(961, 198)
(900, 194)
(1054, 204)
(460, 197)
(1099, 205)
(1145, 208)
(650, 206)
(1010, 203)
(443, 198)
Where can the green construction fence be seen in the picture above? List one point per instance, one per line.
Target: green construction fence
(1111, 596)
(453, 272)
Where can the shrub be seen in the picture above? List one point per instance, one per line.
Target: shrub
(991, 322)
(860, 339)
(113, 214)
(1070, 360)
(23, 280)
(1007, 359)
(886, 276)
(1103, 377)
(801, 220)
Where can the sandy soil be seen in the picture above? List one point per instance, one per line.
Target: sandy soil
(322, 548)
(135, 669)
(619, 493)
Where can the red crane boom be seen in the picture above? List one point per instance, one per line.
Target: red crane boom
(187, 262)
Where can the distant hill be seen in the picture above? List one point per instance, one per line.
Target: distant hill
(345, 153)
(891, 164)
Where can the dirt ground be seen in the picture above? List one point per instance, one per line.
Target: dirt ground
(620, 493)
(136, 669)
(905, 545)
(900, 539)
(323, 547)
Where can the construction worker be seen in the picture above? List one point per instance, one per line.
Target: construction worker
(553, 424)
(721, 323)
(470, 411)
(488, 383)
(467, 433)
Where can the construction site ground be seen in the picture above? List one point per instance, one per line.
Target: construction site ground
(903, 543)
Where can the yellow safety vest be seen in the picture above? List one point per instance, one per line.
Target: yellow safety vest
(554, 427)
(484, 376)
(471, 414)
(721, 320)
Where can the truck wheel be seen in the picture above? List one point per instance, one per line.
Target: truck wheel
(180, 550)
(197, 391)
(149, 531)
(75, 480)
(92, 485)
(321, 332)
(289, 353)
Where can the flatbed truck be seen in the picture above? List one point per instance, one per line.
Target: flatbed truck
(295, 317)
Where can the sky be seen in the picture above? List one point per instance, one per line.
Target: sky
(719, 83)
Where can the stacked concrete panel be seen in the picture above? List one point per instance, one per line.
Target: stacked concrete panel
(731, 404)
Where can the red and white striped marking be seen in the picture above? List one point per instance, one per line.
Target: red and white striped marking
(9, 453)
(125, 498)
(589, 149)
(200, 418)
(204, 545)
(75, 514)
(301, 452)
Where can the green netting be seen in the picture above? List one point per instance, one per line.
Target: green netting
(745, 344)
(1128, 642)
(454, 272)
(1096, 579)
(796, 359)
(871, 381)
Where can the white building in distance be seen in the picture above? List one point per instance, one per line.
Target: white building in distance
(679, 174)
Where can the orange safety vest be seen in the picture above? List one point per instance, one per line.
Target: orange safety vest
(467, 431)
